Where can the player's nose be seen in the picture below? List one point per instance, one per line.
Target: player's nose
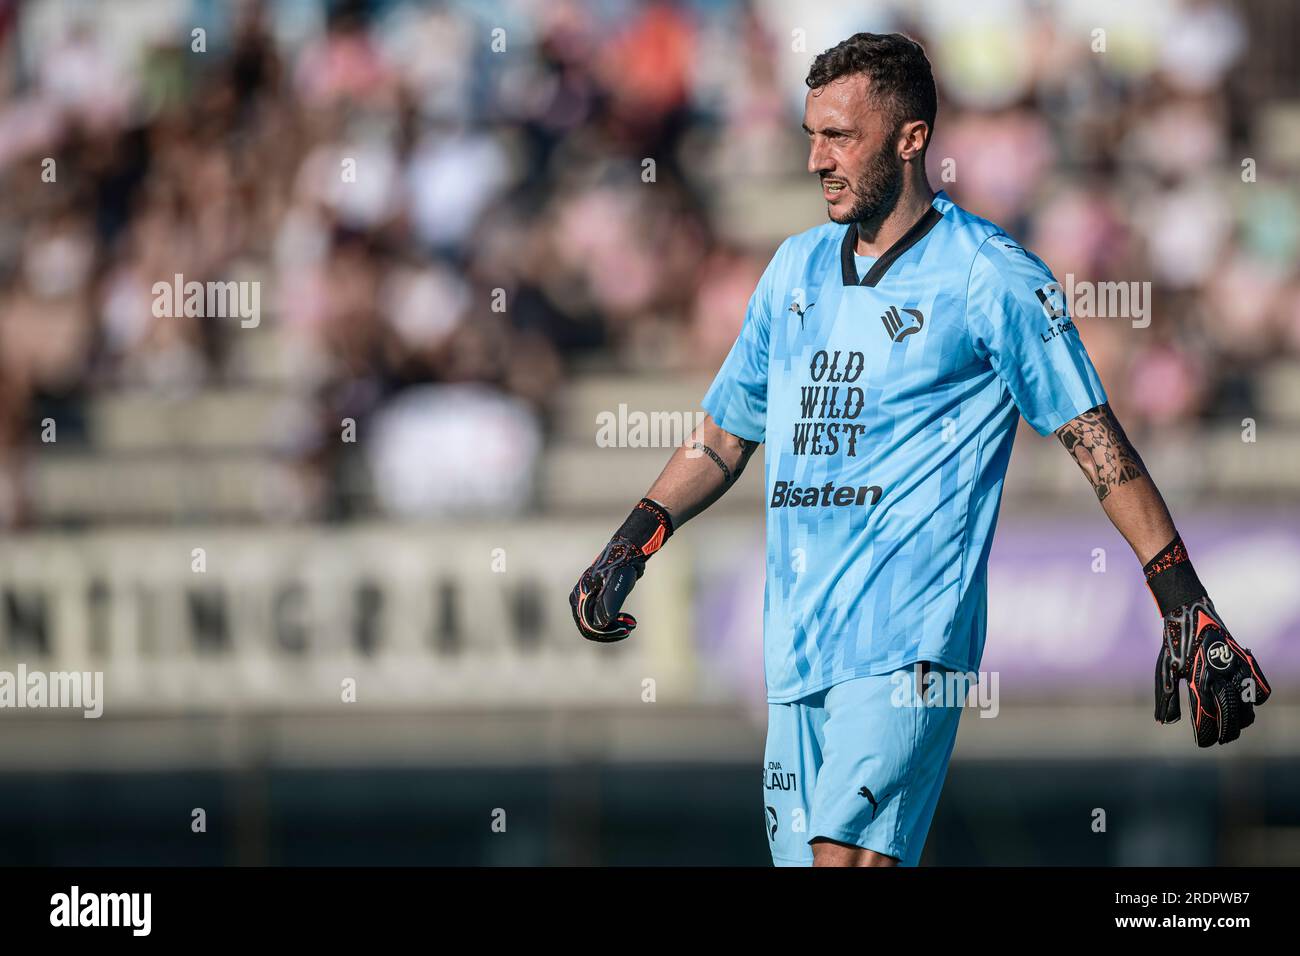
(819, 160)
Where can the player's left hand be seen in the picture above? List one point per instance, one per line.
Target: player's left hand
(1224, 681)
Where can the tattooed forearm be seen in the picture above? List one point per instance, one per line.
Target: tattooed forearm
(717, 460)
(686, 487)
(1102, 450)
(746, 449)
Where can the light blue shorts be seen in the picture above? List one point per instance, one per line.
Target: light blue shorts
(861, 763)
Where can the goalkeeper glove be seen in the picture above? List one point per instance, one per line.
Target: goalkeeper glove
(1224, 681)
(603, 587)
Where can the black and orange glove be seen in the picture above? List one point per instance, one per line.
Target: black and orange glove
(1224, 682)
(600, 592)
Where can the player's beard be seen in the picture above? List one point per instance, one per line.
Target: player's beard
(877, 189)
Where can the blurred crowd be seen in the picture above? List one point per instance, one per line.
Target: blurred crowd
(448, 206)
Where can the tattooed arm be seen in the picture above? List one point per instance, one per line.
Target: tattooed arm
(701, 471)
(1126, 492)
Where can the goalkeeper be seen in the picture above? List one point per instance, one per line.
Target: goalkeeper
(885, 360)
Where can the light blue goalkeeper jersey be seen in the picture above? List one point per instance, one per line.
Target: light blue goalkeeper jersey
(888, 403)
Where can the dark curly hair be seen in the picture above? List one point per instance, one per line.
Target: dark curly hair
(901, 80)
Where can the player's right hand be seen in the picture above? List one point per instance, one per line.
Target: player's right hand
(601, 591)
(597, 598)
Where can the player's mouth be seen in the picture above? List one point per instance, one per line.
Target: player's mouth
(833, 189)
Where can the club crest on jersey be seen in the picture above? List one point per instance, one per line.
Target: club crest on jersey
(899, 326)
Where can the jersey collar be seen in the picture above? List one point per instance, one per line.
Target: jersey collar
(849, 268)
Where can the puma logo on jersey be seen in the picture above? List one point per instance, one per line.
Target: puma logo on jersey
(794, 307)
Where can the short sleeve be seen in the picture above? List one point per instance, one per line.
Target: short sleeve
(1019, 320)
(737, 399)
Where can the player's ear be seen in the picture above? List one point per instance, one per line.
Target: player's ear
(912, 137)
